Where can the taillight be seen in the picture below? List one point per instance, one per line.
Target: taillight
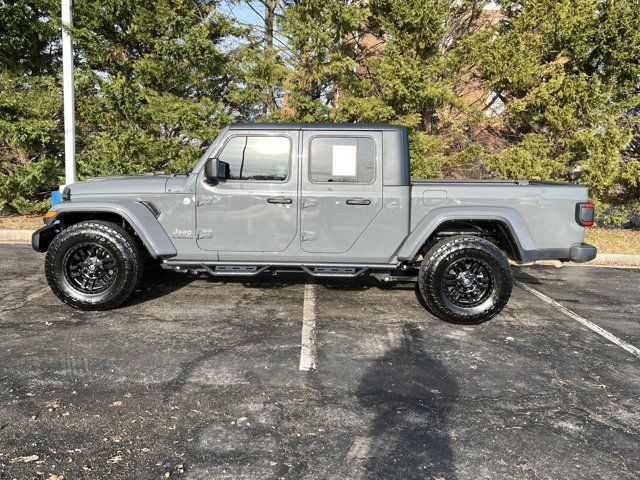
(585, 214)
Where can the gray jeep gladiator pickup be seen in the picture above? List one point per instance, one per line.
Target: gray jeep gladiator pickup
(329, 200)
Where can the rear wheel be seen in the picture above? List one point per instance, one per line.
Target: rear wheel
(465, 279)
(94, 265)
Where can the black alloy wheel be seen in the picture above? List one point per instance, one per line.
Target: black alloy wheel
(90, 268)
(465, 279)
(468, 282)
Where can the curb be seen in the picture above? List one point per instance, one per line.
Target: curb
(616, 259)
(602, 260)
(608, 259)
(15, 236)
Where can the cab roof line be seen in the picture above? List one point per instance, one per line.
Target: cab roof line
(315, 126)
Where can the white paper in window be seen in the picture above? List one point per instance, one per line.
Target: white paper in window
(344, 160)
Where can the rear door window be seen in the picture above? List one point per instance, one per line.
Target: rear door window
(342, 159)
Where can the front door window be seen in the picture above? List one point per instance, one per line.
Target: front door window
(257, 158)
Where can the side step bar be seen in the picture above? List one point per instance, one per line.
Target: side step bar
(253, 270)
(234, 270)
(317, 271)
(334, 272)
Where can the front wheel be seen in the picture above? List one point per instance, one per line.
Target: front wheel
(465, 279)
(93, 265)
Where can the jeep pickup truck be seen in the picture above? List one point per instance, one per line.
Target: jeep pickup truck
(328, 200)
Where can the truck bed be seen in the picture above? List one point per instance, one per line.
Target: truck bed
(542, 212)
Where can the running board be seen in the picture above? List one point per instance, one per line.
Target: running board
(249, 270)
(234, 270)
(337, 272)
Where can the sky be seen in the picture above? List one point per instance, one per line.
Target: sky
(240, 11)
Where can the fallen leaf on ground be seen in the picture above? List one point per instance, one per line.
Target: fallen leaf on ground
(525, 467)
(27, 459)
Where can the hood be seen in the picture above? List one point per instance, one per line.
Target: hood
(120, 185)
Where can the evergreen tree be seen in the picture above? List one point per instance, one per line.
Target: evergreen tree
(569, 71)
(411, 72)
(30, 105)
(320, 55)
(152, 83)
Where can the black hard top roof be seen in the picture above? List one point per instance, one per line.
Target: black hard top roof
(316, 126)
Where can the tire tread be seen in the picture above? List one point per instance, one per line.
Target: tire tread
(438, 253)
(121, 239)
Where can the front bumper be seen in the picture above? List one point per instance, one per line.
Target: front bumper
(41, 239)
(582, 253)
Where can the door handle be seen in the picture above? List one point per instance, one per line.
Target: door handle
(358, 201)
(280, 200)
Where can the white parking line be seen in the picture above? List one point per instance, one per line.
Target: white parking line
(308, 341)
(592, 326)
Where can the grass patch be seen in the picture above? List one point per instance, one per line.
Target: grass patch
(614, 241)
(21, 222)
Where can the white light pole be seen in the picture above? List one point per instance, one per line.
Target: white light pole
(67, 89)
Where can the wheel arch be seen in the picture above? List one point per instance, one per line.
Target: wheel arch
(502, 225)
(134, 216)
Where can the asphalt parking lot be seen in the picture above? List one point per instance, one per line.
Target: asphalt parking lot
(200, 379)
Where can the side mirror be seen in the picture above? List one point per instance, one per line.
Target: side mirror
(216, 170)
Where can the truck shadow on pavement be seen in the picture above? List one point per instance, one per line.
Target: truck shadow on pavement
(411, 394)
(158, 282)
(520, 274)
(288, 279)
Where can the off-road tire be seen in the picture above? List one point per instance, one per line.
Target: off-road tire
(439, 266)
(114, 241)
